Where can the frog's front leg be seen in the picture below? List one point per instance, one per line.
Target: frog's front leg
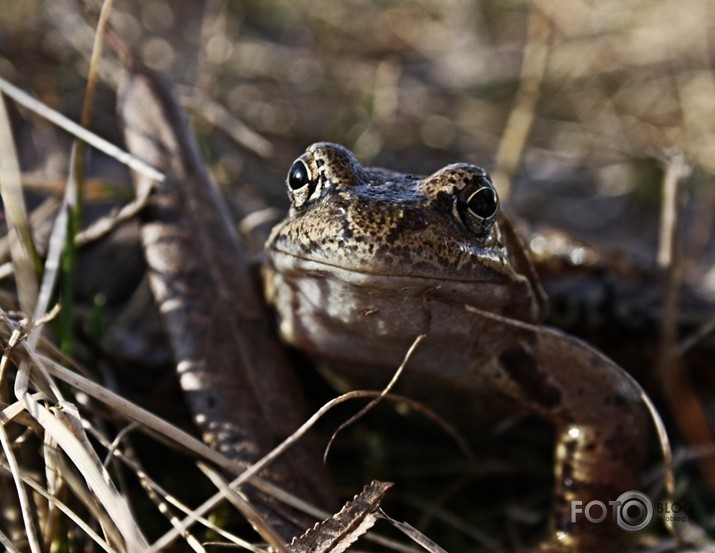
(601, 430)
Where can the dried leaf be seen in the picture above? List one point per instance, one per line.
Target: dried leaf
(338, 532)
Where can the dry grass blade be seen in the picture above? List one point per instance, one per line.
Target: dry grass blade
(166, 430)
(15, 411)
(136, 413)
(51, 498)
(7, 544)
(164, 500)
(64, 432)
(677, 171)
(74, 483)
(24, 258)
(25, 504)
(426, 411)
(102, 227)
(80, 132)
(676, 383)
(255, 519)
(35, 370)
(250, 474)
(414, 534)
(55, 248)
(93, 74)
(521, 117)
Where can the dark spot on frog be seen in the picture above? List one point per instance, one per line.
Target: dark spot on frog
(310, 246)
(348, 233)
(443, 201)
(413, 219)
(524, 371)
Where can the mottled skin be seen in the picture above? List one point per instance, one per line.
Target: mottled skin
(369, 259)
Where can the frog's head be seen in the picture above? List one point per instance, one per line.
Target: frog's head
(372, 221)
(367, 254)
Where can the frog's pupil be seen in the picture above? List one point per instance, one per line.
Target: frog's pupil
(483, 203)
(298, 175)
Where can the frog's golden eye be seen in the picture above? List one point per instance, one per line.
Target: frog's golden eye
(477, 204)
(300, 184)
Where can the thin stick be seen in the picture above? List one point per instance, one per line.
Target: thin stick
(518, 125)
(386, 390)
(676, 172)
(80, 132)
(261, 464)
(686, 405)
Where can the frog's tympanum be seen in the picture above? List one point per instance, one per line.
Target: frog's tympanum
(369, 259)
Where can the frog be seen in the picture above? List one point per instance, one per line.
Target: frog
(368, 259)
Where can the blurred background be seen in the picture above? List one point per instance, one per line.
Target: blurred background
(579, 110)
(614, 89)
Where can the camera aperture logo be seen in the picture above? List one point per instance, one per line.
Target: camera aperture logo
(632, 511)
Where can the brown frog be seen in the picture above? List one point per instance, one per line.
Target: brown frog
(369, 259)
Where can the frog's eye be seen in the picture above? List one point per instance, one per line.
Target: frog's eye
(477, 204)
(300, 184)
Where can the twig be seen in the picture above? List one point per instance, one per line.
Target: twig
(518, 125)
(373, 403)
(105, 225)
(677, 171)
(685, 403)
(266, 460)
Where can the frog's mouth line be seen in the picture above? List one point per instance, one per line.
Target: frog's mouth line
(288, 263)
